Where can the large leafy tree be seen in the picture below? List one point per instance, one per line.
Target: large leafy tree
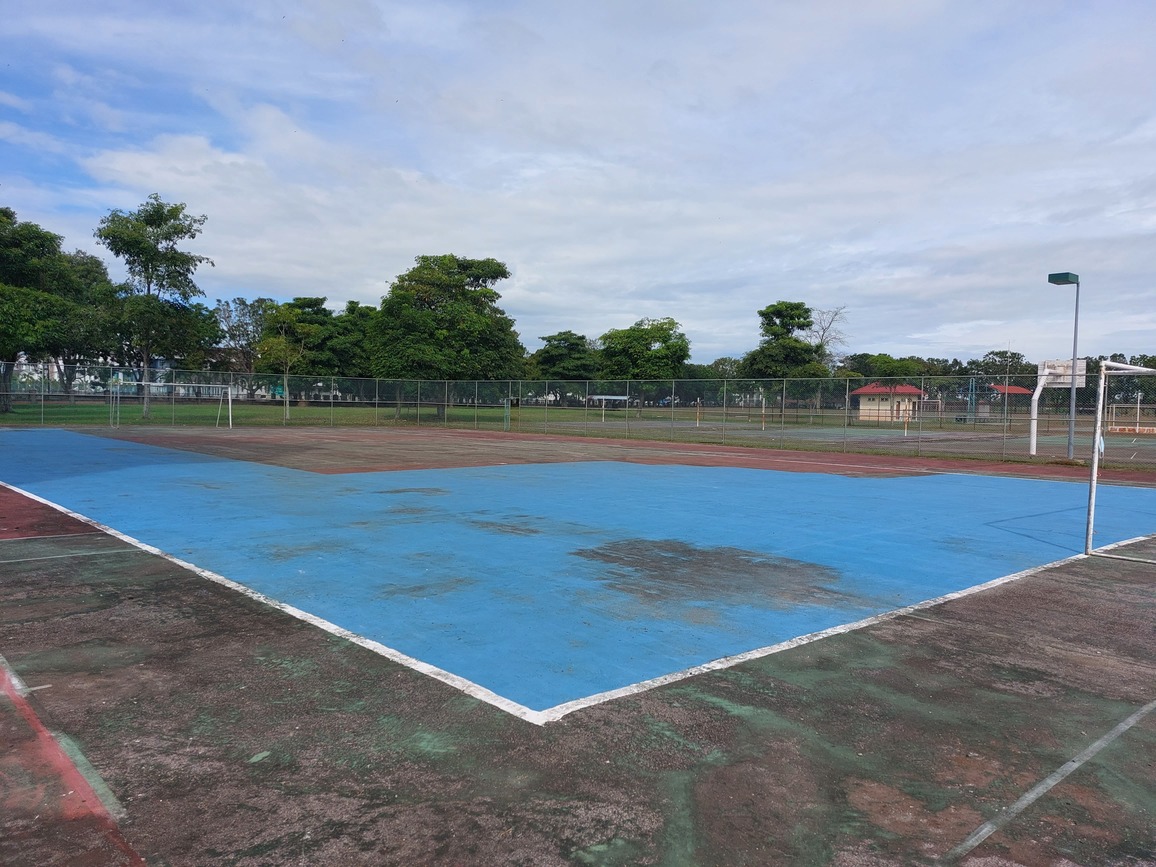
(441, 320)
(27, 321)
(566, 356)
(288, 335)
(84, 330)
(326, 352)
(648, 349)
(242, 324)
(182, 333)
(40, 293)
(880, 365)
(148, 241)
(350, 342)
(1001, 362)
(782, 352)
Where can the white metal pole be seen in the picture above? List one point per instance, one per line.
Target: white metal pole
(1095, 459)
(1072, 406)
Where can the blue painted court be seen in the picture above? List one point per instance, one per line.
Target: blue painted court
(547, 584)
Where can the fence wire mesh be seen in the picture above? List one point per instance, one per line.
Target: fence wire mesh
(987, 417)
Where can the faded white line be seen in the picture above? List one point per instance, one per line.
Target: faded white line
(988, 828)
(52, 536)
(74, 554)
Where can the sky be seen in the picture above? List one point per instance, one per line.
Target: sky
(923, 165)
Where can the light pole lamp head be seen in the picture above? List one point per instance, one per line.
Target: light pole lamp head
(1064, 278)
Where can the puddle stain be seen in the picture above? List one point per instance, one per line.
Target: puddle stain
(284, 553)
(510, 528)
(655, 572)
(424, 590)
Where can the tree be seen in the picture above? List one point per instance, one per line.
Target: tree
(441, 320)
(26, 319)
(147, 240)
(242, 324)
(181, 333)
(83, 330)
(648, 349)
(826, 332)
(286, 341)
(1001, 362)
(319, 358)
(781, 352)
(30, 265)
(883, 366)
(566, 356)
(351, 339)
(29, 254)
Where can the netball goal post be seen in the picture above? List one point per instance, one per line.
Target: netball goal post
(1108, 369)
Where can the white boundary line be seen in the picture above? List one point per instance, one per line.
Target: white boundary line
(53, 536)
(1044, 786)
(552, 714)
(728, 661)
(69, 556)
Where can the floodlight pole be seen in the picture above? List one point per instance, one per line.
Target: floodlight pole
(1072, 402)
(1066, 278)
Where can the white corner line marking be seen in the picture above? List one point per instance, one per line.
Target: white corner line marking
(460, 683)
(551, 714)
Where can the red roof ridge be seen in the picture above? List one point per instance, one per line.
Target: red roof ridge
(879, 388)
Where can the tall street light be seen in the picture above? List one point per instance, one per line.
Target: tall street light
(1066, 278)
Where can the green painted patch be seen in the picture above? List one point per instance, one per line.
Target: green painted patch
(679, 834)
(290, 667)
(88, 656)
(613, 853)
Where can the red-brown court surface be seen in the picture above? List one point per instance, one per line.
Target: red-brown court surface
(230, 733)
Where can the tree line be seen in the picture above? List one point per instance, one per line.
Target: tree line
(440, 320)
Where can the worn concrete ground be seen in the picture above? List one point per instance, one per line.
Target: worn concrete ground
(229, 733)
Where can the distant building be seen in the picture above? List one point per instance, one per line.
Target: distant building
(879, 402)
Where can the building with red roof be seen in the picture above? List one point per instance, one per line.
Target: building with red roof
(878, 402)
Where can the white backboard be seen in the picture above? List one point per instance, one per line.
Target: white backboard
(1060, 375)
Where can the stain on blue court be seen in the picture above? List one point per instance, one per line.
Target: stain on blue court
(547, 584)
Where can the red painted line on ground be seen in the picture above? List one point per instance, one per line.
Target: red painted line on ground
(86, 802)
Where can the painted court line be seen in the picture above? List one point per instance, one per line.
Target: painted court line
(49, 536)
(990, 827)
(79, 780)
(729, 661)
(541, 717)
(75, 554)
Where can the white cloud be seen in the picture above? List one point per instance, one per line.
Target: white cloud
(13, 101)
(30, 139)
(924, 164)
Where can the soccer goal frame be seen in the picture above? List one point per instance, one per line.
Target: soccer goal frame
(1107, 369)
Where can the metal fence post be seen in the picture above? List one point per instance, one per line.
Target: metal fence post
(724, 413)
(846, 411)
(919, 428)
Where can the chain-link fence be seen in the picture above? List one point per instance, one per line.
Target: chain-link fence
(989, 417)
